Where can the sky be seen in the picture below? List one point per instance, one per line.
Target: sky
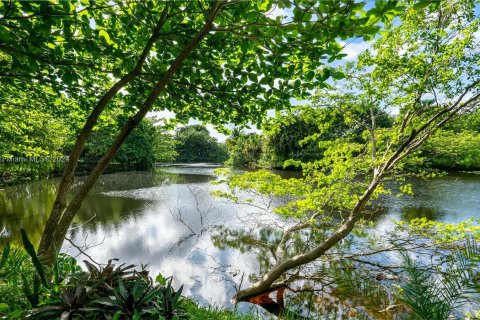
(352, 47)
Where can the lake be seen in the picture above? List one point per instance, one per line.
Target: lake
(165, 219)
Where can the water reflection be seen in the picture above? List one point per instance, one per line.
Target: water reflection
(410, 212)
(26, 206)
(167, 219)
(170, 232)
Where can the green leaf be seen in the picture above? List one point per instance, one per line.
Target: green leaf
(297, 14)
(117, 315)
(422, 4)
(5, 253)
(310, 75)
(262, 6)
(104, 34)
(16, 313)
(33, 255)
(337, 75)
(380, 4)
(68, 6)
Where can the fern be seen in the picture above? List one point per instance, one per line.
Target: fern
(436, 295)
(5, 254)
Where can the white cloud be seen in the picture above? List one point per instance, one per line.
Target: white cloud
(354, 49)
(164, 114)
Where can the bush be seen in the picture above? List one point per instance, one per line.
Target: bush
(454, 150)
(108, 292)
(30, 289)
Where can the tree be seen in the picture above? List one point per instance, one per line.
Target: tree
(223, 61)
(165, 145)
(456, 146)
(298, 134)
(426, 69)
(284, 135)
(36, 128)
(453, 150)
(244, 150)
(140, 150)
(194, 144)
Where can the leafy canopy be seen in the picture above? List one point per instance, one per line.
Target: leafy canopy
(251, 61)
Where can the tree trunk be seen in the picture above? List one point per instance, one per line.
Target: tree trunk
(67, 178)
(62, 215)
(268, 280)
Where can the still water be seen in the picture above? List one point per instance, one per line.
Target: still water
(166, 219)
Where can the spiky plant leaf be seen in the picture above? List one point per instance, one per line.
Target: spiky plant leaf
(33, 255)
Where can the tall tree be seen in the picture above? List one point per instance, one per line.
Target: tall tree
(244, 149)
(425, 70)
(220, 61)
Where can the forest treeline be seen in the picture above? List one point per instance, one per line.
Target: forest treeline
(300, 134)
(38, 141)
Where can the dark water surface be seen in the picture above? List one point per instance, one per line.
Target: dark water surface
(165, 219)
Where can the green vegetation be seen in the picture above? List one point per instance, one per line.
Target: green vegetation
(220, 62)
(431, 52)
(106, 292)
(194, 144)
(79, 77)
(36, 128)
(213, 313)
(300, 134)
(37, 142)
(457, 146)
(244, 149)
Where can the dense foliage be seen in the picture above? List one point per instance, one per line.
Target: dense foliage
(37, 128)
(457, 146)
(145, 146)
(38, 142)
(244, 149)
(300, 134)
(194, 144)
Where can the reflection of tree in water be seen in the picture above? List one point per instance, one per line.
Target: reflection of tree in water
(198, 224)
(107, 211)
(410, 212)
(337, 285)
(195, 211)
(28, 205)
(141, 179)
(353, 280)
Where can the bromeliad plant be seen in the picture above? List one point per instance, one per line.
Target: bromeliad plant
(137, 297)
(29, 289)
